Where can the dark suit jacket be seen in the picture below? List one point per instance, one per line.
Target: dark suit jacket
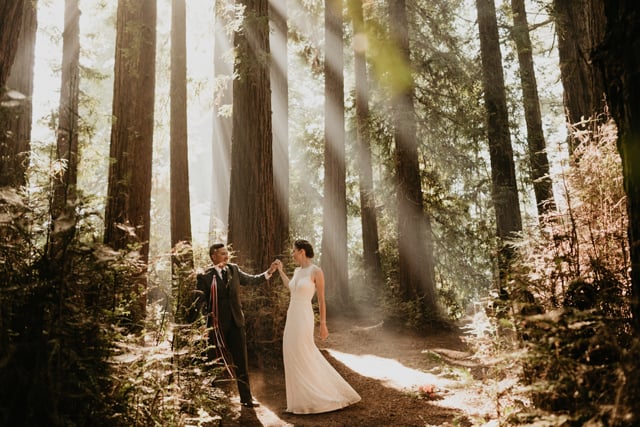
(235, 277)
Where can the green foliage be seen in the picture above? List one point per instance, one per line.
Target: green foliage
(161, 385)
(68, 353)
(570, 296)
(58, 317)
(265, 316)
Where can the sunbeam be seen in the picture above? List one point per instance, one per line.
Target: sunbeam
(389, 371)
(222, 124)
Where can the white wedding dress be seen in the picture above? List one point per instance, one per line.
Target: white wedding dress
(312, 384)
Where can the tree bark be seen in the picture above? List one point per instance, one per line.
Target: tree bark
(63, 205)
(579, 30)
(618, 58)
(503, 175)
(251, 206)
(15, 122)
(372, 264)
(11, 12)
(416, 265)
(222, 122)
(280, 105)
(182, 254)
(334, 215)
(539, 163)
(129, 187)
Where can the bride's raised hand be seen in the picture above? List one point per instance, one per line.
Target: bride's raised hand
(273, 267)
(283, 275)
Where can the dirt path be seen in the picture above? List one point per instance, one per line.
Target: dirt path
(387, 369)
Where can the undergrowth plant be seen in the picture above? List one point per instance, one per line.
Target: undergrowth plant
(59, 318)
(569, 298)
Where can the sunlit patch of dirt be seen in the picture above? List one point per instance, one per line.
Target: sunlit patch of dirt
(404, 379)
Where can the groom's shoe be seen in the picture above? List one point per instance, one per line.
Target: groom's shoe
(250, 404)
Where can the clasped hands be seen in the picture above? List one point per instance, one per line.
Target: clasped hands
(275, 265)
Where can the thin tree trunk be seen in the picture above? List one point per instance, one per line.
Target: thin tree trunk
(539, 163)
(503, 174)
(129, 188)
(15, 122)
(222, 121)
(334, 217)
(251, 206)
(182, 253)
(372, 263)
(63, 205)
(280, 104)
(416, 265)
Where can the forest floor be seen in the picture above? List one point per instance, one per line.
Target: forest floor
(404, 379)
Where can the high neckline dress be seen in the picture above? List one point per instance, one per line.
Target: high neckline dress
(312, 384)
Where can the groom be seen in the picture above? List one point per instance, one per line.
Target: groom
(219, 299)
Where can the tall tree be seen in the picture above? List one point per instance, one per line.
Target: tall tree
(222, 120)
(127, 215)
(15, 121)
(251, 205)
(280, 105)
(65, 181)
(618, 58)
(370, 247)
(539, 162)
(416, 264)
(182, 254)
(11, 17)
(334, 215)
(579, 31)
(503, 174)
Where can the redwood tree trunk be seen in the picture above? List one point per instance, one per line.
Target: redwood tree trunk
(503, 174)
(334, 214)
(251, 206)
(65, 192)
(129, 189)
(280, 104)
(222, 123)
(619, 58)
(372, 264)
(15, 122)
(182, 254)
(180, 201)
(539, 163)
(579, 31)
(11, 18)
(416, 265)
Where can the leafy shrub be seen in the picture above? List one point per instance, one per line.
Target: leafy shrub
(569, 296)
(59, 318)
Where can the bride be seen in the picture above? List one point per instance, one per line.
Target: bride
(312, 384)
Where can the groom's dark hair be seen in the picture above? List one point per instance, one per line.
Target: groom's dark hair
(215, 247)
(304, 244)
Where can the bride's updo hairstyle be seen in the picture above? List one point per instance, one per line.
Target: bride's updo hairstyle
(304, 244)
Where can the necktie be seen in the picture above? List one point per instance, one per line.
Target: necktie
(214, 302)
(224, 277)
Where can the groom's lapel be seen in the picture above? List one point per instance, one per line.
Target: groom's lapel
(229, 275)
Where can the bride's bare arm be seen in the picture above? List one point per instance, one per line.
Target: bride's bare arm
(318, 278)
(283, 275)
